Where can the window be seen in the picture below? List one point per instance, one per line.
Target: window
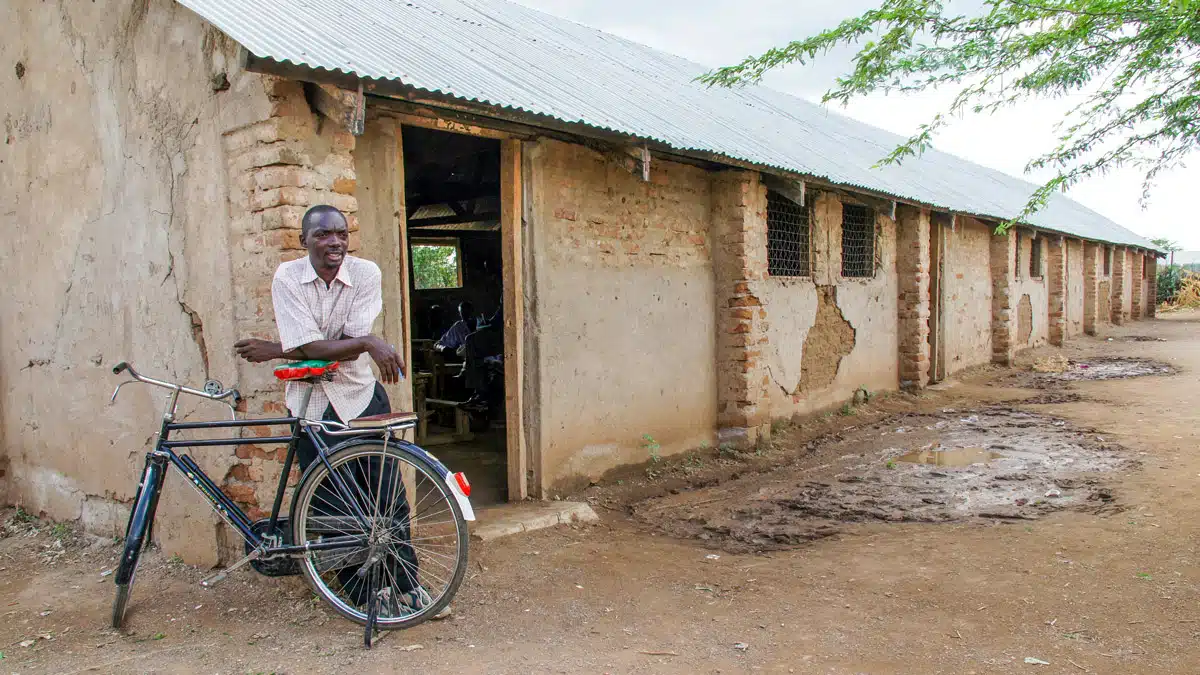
(858, 241)
(1107, 261)
(1017, 257)
(1035, 258)
(436, 263)
(788, 252)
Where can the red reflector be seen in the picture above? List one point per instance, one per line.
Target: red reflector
(463, 484)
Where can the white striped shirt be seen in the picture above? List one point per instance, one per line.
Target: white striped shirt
(306, 311)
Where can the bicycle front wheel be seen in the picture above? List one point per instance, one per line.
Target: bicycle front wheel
(413, 551)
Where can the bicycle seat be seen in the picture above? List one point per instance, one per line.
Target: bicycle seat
(302, 370)
(383, 421)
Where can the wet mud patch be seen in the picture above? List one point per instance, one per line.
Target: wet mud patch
(1109, 368)
(1056, 380)
(992, 463)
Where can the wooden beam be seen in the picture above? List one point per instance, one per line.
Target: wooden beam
(347, 109)
(514, 317)
(454, 220)
(443, 123)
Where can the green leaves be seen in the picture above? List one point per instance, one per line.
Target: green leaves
(1134, 64)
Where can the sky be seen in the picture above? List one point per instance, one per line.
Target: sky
(722, 32)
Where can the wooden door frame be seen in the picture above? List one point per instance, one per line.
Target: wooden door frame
(513, 294)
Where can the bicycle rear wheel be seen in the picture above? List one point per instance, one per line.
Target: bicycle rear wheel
(415, 533)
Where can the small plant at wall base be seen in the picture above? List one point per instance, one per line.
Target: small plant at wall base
(652, 447)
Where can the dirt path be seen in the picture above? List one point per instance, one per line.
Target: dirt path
(1096, 590)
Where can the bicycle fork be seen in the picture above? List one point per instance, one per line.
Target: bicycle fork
(141, 518)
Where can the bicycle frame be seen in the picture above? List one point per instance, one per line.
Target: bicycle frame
(164, 453)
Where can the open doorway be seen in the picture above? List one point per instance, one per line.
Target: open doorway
(452, 187)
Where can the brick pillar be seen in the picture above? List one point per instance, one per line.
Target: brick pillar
(739, 217)
(912, 268)
(1138, 297)
(1152, 291)
(277, 168)
(1003, 248)
(1092, 269)
(1056, 270)
(1118, 286)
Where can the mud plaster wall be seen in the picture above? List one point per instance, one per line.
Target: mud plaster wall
(1039, 302)
(967, 295)
(1074, 287)
(863, 308)
(625, 310)
(118, 243)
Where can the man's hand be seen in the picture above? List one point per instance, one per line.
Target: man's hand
(258, 351)
(391, 364)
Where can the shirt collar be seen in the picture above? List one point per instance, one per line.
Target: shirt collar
(309, 274)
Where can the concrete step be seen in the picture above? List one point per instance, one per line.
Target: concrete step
(500, 521)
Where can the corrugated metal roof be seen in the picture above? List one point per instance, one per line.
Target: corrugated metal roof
(498, 53)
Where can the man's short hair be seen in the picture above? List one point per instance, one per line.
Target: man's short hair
(316, 215)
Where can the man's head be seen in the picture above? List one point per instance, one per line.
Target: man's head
(324, 232)
(466, 310)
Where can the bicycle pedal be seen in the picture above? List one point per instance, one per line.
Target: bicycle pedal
(214, 579)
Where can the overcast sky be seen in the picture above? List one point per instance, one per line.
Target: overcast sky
(722, 32)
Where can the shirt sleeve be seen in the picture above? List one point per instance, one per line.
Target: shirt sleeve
(296, 324)
(367, 304)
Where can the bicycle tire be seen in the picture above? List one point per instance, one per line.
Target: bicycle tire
(141, 516)
(306, 514)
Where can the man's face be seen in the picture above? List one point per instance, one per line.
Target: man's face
(327, 240)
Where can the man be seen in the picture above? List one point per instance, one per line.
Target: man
(456, 336)
(325, 306)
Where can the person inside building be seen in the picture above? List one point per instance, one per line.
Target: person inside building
(325, 306)
(456, 336)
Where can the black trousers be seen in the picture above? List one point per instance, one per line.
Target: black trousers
(402, 567)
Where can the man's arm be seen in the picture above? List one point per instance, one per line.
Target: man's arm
(344, 349)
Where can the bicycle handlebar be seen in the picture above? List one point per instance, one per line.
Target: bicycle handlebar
(178, 388)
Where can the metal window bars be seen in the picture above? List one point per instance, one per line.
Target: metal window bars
(788, 237)
(858, 241)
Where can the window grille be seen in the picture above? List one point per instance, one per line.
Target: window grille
(788, 237)
(858, 241)
(1035, 258)
(1107, 261)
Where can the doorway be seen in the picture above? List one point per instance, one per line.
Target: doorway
(454, 226)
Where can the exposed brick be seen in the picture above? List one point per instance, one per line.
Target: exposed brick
(346, 186)
(242, 493)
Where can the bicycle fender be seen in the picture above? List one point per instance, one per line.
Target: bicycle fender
(447, 477)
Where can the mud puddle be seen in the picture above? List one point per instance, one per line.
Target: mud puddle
(994, 463)
(1109, 369)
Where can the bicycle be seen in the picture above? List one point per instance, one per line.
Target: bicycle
(377, 525)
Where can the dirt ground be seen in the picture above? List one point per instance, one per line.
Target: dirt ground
(1071, 541)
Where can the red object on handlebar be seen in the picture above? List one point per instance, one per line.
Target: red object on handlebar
(304, 369)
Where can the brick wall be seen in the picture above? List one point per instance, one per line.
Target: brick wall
(1093, 269)
(1137, 298)
(1151, 284)
(1119, 272)
(1056, 272)
(740, 266)
(1003, 249)
(912, 270)
(602, 214)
